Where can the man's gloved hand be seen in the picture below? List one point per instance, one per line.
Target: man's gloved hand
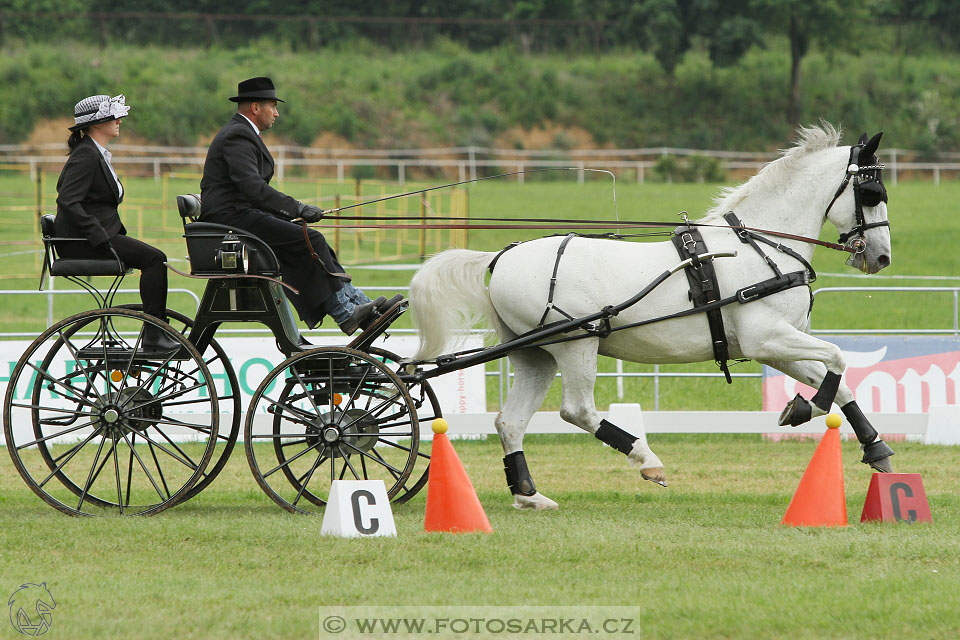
(309, 212)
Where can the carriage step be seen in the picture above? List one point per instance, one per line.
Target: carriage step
(379, 326)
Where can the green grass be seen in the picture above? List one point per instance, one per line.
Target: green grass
(925, 232)
(704, 558)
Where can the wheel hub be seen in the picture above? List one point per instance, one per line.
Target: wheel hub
(340, 432)
(129, 410)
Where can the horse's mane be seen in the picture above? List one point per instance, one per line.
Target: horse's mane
(809, 140)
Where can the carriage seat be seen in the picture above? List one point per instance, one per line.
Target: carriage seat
(74, 267)
(205, 240)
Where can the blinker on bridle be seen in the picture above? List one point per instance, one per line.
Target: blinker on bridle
(868, 190)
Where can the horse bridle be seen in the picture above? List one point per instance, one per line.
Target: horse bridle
(868, 189)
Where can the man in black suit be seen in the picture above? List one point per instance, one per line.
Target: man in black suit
(235, 191)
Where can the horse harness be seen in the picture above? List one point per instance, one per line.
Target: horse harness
(704, 288)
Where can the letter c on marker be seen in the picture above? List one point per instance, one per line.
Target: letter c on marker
(357, 519)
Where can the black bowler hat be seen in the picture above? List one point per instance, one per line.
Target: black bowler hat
(256, 89)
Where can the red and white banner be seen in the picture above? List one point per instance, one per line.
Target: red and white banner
(888, 374)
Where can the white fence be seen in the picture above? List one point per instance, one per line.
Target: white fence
(468, 162)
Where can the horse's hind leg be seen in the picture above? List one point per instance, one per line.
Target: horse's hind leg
(578, 370)
(876, 452)
(534, 371)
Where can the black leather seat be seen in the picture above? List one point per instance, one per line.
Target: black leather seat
(74, 267)
(205, 239)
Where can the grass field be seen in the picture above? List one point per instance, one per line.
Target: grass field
(925, 233)
(704, 558)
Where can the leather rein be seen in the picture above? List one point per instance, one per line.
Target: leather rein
(564, 223)
(866, 180)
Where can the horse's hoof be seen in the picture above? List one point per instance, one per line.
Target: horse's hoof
(877, 455)
(796, 412)
(654, 475)
(536, 502)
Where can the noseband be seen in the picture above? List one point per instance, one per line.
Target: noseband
(868, 189)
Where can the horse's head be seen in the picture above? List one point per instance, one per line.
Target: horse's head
(860, 212)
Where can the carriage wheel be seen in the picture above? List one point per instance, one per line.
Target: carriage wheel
(428, 409)
(328, 414)
(228, 395)
(96, 425)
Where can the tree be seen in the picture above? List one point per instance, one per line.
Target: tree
(831, 22)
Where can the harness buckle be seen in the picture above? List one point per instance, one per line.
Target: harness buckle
(688, 242)
(743, 297)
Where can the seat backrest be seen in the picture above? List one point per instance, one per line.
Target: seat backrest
(189, 207)
(204, 240)
(46, 225)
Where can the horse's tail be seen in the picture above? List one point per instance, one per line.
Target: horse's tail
(449, 293)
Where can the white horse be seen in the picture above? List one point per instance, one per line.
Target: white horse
(789, 196)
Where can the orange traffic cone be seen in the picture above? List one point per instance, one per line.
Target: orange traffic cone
(820, 500)
(452, 503)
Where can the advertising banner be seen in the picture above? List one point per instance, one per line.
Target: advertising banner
(462, 391)
(887, 374)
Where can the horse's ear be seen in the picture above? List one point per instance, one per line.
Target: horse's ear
(870, 148)
(863, 138)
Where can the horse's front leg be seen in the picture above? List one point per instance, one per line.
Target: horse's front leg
(876, 452)
(534, 371)
(578, 370)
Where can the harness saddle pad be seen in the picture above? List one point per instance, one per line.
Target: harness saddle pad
(704, 289)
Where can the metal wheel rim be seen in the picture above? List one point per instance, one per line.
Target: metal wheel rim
(428, 404)
(293, 466)
(117, 420)
(225, 441)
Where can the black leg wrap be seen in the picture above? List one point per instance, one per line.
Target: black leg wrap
(616, 437)
(858, 422)
(518, 476)
(827, 391)
(796, 412)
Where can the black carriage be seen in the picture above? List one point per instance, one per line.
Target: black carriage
(98, 424)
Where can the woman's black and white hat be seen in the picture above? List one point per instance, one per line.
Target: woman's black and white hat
(97, 109)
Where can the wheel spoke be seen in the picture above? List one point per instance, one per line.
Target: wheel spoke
(307, 391)
(55, 435)
(72, 452)
(76, 394)
(309, 474)
(353, 395)
(78, 360)
(381, 461)
(156, 462)
(116, 468)
(133, 453)
(346, 460)
(90, 476)
(289, 460)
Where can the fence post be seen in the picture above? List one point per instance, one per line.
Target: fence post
(336, 226)
(423, 230)
(39, 196)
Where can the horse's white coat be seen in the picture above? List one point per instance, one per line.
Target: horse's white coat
(788, 195)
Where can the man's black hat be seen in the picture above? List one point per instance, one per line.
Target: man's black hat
(256, 89)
